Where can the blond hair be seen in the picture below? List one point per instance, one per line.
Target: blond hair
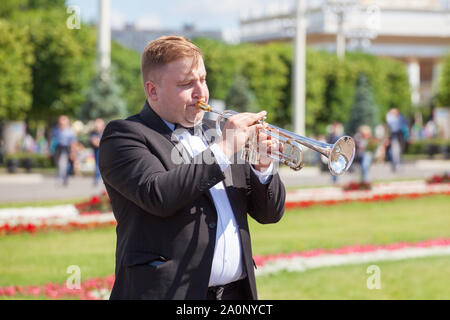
(164, 50)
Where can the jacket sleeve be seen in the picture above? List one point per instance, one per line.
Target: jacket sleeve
(266, 202)
(127, 164)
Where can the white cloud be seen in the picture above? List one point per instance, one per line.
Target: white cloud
(148, 21)
(118, 20)
(225, 12)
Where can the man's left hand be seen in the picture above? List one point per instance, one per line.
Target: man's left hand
(267, 146)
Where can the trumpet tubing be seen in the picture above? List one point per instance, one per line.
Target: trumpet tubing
(340, 154)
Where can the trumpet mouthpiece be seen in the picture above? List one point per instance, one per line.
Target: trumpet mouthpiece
(203, 105)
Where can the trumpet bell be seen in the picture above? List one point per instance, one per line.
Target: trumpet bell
(341, 155)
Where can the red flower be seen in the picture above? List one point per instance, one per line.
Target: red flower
(9, 291)
(31, 228)
(95, 200)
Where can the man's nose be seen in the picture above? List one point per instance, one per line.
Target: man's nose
(200, 90)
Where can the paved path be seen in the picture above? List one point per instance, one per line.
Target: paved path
(38, 187)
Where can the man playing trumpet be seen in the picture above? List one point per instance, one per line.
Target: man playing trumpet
(182, 230)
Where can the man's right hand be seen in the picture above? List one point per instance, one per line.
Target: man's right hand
(237, 129)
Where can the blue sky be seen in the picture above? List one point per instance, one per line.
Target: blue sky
(173, 14)
(206, 14)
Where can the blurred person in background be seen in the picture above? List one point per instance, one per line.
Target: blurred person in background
(396, 122)
(63, 138)
(28, 144)
(76, 149)
(383, 143)
(42, 146)
(365, 146)
(95, 138)
(430, 131)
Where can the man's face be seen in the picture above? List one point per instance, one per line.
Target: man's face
(178, 89)
(99, 125)
(63, 122)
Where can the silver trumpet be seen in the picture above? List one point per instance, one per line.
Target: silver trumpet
(340, 154)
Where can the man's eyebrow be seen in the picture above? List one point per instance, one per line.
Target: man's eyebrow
(191, 77)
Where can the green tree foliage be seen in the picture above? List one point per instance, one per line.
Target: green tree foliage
(46, 4)
(268, 76)
(103, 100)
(443, 96)
(222, 63)
(330, 82)
(364, 110)
(240, 97)
(11, 7)
(63, 58)
(64, 62)
(127, 69)
(15, 72)
(8, 7)
(267, 73)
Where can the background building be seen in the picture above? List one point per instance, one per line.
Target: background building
(137, 39)
(416, 32)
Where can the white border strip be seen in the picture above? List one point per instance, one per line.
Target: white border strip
(301, 264)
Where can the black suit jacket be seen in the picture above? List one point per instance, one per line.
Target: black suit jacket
(166, 219)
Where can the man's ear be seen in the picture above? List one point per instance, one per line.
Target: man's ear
(151, 89)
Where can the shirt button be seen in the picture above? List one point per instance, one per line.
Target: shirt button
(212, 225)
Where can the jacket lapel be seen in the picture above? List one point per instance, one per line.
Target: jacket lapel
(152, 120)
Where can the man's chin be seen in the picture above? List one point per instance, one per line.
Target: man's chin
(195, 121)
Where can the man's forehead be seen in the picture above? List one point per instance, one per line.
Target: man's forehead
(187, 67)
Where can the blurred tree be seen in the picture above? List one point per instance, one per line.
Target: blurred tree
(316, 75)
(103, 100)
(443, 95)
(8, 7)
(330, 83)
(240, 98)
(126, 64)
(11, 7)
(222, 63)
(283, 113)
(15, 72)
(364, 110)
(46, 4)
(267, 76)
(64, 62)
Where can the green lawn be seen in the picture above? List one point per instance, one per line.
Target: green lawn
(354, 223)
(43, 203)
(427, 278)
(42, 258)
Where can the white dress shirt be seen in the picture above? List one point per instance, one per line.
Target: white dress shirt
(227, 260)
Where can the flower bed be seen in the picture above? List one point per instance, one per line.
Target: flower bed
(91, 214)
(44, 225)
(91, 289)
(356, 254)
(66, 224)
(379, 192)
(95, 213)
(354, 186)
(97, 204)
(445, 178)
(100, 288)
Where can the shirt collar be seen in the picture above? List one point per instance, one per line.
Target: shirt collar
(169, 124)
